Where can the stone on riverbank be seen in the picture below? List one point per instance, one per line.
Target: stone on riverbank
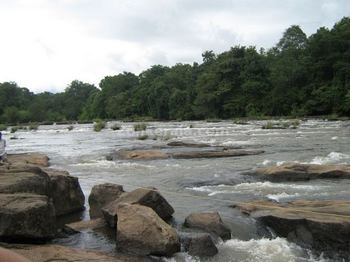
(26, 216)
(101, 195)
(35, 159)
(319, 225)
(302, 172)
(210, 222)
(141, 231)
(45, 253)
(65, 192)
(149, 197)
(200, 245)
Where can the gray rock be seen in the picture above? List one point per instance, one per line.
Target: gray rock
(201, 245)
(210, 222)
(102, 195)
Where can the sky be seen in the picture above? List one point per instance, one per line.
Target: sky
(46, 44)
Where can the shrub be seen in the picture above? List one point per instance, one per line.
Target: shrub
(116, 127)
(14, 129)
(99, 125)
(33, 127)
(142, 137)
(3, 127)
(140, 127)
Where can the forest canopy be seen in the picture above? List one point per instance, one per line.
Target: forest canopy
(299, 76)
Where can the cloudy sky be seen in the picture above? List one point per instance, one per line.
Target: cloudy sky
(45, 44)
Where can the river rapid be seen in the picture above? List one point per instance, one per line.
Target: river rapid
(192, 185)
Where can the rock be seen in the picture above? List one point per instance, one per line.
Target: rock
(45, 253)
(143, 196)
(301, 172)
(65, 191)
(185, 144)
(36, 159)
(141, 231)
(24, 179)
(26, 216)
(319, 225)
(101, 195)
(149, 154)
(141, 154)
(210, 222)
(215, 154)
(88, 224)
(201, 245)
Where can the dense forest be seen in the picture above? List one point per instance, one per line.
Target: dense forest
(299, 76)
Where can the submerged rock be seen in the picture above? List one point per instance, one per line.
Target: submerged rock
(45, 253)
(148, 154)
(141, 231)
(149, 197)
(319, 225)
(65, 192)
(186, 144)
(210, 222)
(201, 245)
(301, 172)
(101, 195)
(26, 216)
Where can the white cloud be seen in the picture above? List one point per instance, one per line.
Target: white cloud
(45, 44)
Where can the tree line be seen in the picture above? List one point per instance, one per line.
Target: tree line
(299, 76)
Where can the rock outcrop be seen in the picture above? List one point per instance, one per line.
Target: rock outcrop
(45, 253)
(65, 192)
(149, 197)
(210, 222)
(35, 159)
(149, 154)
(319, 225)
(26, 216)
(200, 245)
(302, 172)
(101, 195)
(141, 231)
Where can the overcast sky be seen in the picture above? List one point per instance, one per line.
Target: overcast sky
(45, 44)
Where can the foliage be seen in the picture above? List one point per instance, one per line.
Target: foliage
(142, 137)
(140, 127)
(33, 127)
(3, 127)
(300, 76)
(99, 125)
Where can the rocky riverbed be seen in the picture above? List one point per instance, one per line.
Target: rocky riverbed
(289, 192)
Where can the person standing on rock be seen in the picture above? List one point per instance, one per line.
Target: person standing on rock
(2, 148)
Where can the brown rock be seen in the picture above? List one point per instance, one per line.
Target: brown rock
(141, 231)
(185, 144)
(26, 216)
(143, 196)
(210, 222)
(36, 159)
(101, 195)
(301, 172)
(201, 245)
(319, 225)
(65, 192)
(141, 154)
(45, 253)
(88, 224)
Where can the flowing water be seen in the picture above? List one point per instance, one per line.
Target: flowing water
(192, 185)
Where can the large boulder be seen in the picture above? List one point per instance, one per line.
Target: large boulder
(45, 253)
(149, 197)
(301, 172)
(101, 195)
(65, 192)
(35, 159)
(200, 245)
(24, 179)
(319, 225)
(141, 231)
(209, 222)
(26, 216)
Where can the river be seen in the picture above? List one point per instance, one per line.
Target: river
(200, 184)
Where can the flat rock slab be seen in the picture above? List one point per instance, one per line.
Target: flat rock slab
(160, 154)
(302, 172)
(44, 253)
(36, 159)
(320, 225)
(26, 216)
